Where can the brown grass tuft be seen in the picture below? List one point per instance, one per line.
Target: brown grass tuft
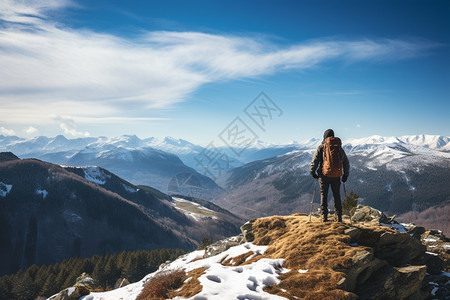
(238, 260)
(191, 286)
(162, 284)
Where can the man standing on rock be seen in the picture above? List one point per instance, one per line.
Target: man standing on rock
(330, 162)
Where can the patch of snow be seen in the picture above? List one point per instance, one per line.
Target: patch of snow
(96, 175)
(71, 290)
(431, 253)
(44, 193)
(302, 271)
(399, 227)
(433, 292)
(129, 188)
(445, 274)
(219, 281)
(196, 216)
(429, 239)
(5, 189)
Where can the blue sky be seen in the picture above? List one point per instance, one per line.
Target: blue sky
(187, 69)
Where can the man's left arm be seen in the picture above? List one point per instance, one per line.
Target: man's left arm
(346, 165)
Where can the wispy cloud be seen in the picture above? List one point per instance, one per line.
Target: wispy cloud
(47, 63)
(68, 125)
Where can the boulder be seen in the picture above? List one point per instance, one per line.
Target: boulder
(82, 287)
(363, 266)
(398, 248)
(369, 215)
(246, 230)
(434, 263)
(72, 293)
(392, 283)
(223, 245)
(354, 233)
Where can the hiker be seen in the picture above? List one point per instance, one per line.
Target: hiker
(330, 162)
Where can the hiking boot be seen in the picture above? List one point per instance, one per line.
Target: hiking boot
(339, 215)
(325, 218)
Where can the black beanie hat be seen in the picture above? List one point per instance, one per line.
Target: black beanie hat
(328, 133)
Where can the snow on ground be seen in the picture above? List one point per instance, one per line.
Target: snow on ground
(399, 227)
(219, 282)
(95, 175)
(193, 209)
(5, 189)
(129, 189)
(44, 193)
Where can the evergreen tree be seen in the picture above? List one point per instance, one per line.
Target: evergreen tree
(349, 204)
(49, 288)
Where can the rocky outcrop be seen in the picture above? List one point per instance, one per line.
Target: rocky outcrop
(82, 287)
(383, 270)
(368, 215)
(223, 245)
(390, 260)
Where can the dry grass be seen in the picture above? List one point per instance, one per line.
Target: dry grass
(159, 286)
(191, 286)
(238, 260)
(321, 248)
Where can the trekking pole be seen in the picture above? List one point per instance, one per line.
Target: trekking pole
(312, 201)
(345, 192)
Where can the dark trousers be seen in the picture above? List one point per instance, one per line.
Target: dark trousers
(325, 183)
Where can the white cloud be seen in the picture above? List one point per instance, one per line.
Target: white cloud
(49, 68)
(68, 125)
(29, 11)
(31, 130)
(358, 125)
(6, 132)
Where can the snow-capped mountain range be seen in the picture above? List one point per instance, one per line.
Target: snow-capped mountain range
(156, 162)
(399, 175)
(62, 148)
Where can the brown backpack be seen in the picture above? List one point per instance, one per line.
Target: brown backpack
(332, 157)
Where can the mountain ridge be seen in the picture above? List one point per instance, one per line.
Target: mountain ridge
(49, 213)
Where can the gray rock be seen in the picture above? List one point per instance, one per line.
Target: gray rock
(223, 245)
(398, 248)
(354, 233)
(82, 287)
(434, 263)
(246, 230)
(368, 215)
(364, 265)
(392, 283)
